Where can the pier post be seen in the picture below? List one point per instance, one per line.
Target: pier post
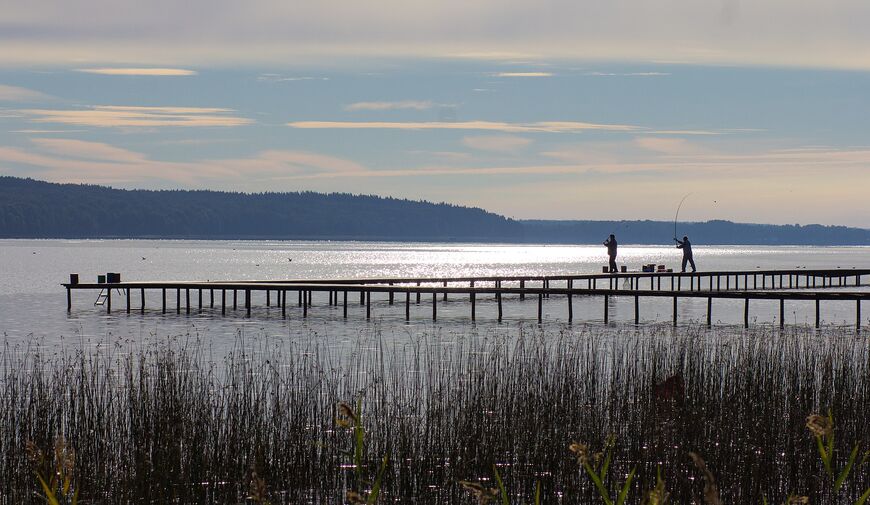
(344, 303)
(434, 306)
(498, 298)
(211, 298)
(164, 300)
(268, 298)
(128, 300)
(109, 301)
(391, 295)
(471, 296)
(68, 299)
(187, 300)
(570, 302)
(408, 306)
(445, 292)
(540, 306)
(606, 309)
(746, 313)
(235, 299)
(283, 296)
(522, 286)
(473, 318)
(142, 299)
(248, 301)
(858, 315)
(223, 302)
(368, 296)
(709, 311)
(675, 311)
(199, 307)
(680, 283)
(304, 304)
(817, 313)
(418, 293)
(636, 310)
(178, 300)
(362, 297)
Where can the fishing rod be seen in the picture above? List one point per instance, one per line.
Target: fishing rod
(678, 213)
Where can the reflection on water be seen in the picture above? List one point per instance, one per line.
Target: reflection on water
(33, 303)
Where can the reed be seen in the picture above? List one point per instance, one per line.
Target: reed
(498, 409)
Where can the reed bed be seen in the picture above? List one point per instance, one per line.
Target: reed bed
(168, 424)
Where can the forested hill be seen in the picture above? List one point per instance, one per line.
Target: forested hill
(35, 209)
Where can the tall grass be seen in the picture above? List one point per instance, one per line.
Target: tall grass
(167, 424)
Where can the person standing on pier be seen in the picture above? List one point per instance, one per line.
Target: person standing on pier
(686, 246)
(611, 251)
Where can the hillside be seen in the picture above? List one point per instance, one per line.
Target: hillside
(36, 209)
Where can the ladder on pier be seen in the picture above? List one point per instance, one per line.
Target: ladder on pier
(104, 294)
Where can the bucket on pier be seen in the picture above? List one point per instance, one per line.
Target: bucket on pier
(605, 269)
(73, 278)
(101, 279)
(113, 277)
(623, 269)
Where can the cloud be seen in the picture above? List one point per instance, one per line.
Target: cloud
(280, 78)
(130, 116)
(497, 143)
(669, 145)
(16, 94)
(72, 160)
(539, 127)
(773, 32)
(171, 72)
(626, 74)
(85, 150)
(523, 74)
(404, 104)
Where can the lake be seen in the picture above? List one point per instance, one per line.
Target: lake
(32, 303)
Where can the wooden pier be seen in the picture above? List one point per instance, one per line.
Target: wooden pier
(783, 285)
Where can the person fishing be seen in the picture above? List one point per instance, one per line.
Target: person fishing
(611, 251)
(686, 246)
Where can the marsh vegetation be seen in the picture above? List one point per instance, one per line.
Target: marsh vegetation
(521, 411)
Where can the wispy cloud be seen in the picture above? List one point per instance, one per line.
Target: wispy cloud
(17, 94)
(497, 143)
(169, 72)
(403, 104)
(541, 127)
(523, 74)
(626, 74)
(130, 116)
(282, 78)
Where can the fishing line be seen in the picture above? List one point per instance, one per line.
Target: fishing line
(678, 213)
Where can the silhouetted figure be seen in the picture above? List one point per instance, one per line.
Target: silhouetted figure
(611, 251)
(686, 246)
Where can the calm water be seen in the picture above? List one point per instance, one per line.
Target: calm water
(33, 305)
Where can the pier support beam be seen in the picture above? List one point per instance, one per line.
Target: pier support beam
(709, 311)
(746, 313)
(606, 309)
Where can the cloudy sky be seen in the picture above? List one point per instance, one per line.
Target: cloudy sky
(573, 109)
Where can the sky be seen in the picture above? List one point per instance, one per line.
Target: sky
(574, 109)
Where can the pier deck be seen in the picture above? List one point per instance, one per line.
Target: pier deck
(782, 285)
